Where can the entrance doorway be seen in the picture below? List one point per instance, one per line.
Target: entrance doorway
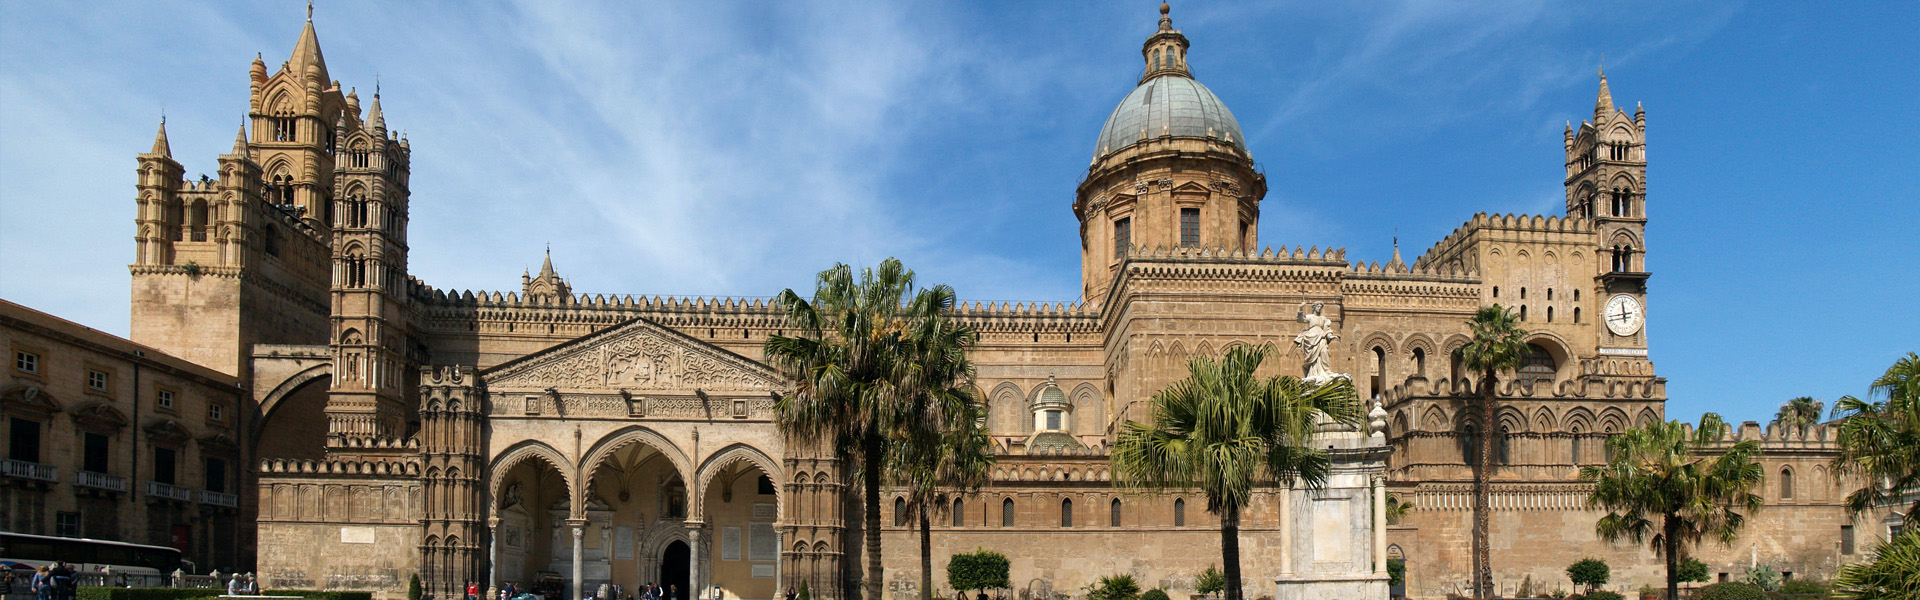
(673, 569)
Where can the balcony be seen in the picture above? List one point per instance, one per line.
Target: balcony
(29, 470)
(169, 492)
(100, 481)
(219, 499)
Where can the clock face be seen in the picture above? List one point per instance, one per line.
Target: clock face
(1624, 315)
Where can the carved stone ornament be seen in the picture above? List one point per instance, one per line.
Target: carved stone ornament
(1140, 188)
(638, 356)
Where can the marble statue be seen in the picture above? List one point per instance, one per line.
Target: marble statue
(1313, 344)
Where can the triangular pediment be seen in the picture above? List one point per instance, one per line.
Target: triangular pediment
(638, 356)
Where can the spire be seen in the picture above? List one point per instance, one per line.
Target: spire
(306, 52)
(546, 266)
(1603, 105)
(375, 121)
(160, 147)
(240, 141)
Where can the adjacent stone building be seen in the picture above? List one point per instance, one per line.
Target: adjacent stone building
(538, 435)
(109, 439)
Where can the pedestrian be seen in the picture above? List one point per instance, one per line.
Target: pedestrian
(791, 595)
(673, 592)
(233, 585)
(7, 581)
(63, 581)
(253, 585)
(473, 590)
(43, 583)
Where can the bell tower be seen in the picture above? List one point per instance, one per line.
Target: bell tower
(1606, 183)
(373, 367)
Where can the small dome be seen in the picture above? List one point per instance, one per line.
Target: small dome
(1168, 106)
(1052, 395)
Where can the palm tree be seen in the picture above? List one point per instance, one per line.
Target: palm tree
(1799, 412)
(944, 446)
(1498, 344)
(1671, 489)
(849, 363)
(1892, 572)
(1224, 430)
(1880, 441)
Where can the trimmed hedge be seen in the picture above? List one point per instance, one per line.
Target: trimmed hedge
(117, 593)
(320, 594)
(1732, 590)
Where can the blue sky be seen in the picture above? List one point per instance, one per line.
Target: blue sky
(736, 148)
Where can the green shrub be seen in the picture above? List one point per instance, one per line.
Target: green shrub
(1692, 569)
(114, 593)
(1589, 573)
(1732, 590)
(981, 570)
(1210, 581)
(1604, 595)
(1396, 571)
(1892, 572)
(413, 586)
(320, 594)
(1155, 594)
(1114, 587)
(1803, 586)
(805, 594)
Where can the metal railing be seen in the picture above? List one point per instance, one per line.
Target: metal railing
(170, 492)
(103, 481)
(218, 499)
(29, 470)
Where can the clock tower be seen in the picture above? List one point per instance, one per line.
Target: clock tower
(1606, 184)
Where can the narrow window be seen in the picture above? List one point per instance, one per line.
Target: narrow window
(1576, 314)
(1379, 368)
(1246, 241)
(1502, 450)
(1006, 512)
(1190, 227)
(1496, 291)
(163, 470)
(1549, 314)
(1549, 293)
(1576, 447)
(1523, 293)
(216, 475)
(1179, 512)
(24, 440)
(1846, 539)
(1066, 512)
(959, 513)
(1786, 484)
(1469, 445)
(1576, 295)
(1113, 513)
(1420, 362)
(94, 452)
(899, 512)
(1053, 420)
(1523, 313)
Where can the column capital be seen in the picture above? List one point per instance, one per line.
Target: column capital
(576, 524)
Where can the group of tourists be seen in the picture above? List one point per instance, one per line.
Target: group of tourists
(243, 585)
(50, 582)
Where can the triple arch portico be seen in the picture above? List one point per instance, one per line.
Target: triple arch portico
(635, 455)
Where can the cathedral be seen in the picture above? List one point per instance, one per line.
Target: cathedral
(544, 437)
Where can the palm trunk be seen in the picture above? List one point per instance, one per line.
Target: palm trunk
(1673, 558)
(870, 474)
(1483, 494)
(1230, 550)
(926, 554)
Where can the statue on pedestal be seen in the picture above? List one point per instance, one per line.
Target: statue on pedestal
(1313, 344)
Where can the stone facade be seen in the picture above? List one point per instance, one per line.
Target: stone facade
(541, 436)
(112, 440)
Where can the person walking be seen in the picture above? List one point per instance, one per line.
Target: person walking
(7, 581)
(233, 585)
(63, 581)
(42, 583)
(791, 595)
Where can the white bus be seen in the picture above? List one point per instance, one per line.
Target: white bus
(28, 551)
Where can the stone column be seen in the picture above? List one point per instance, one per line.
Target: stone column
(579, 531)
(697, 557)
(493, 557)
(606, 546)
(779, 561)
(1379, 525)
(1286, 530)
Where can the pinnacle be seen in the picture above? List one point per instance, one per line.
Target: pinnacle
(1603, 105)
(160, 146)
(240, 141)
(306, 54)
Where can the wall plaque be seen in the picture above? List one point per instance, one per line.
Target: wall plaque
(730, 543)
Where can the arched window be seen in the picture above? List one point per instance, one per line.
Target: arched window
(1786, 484)
(959, 512)
(1006, 512)
(1549, 314)
(1469, 444)
(177, 220)
(1379, 369)
(197, 220)
(899, 512)
(1496, 291)
(1179, 512)
(1523, 312)
(1502, 448)
(1420, 362)
(1456, 364)
(1575, 446)
(1576, 314)
(1122, 236)
(1113, 513)
(1066, 512)
(1523, 293)
(1538, 364)
(1576, 295)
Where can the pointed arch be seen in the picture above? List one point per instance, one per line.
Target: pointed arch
(737, 452)
(1647, 417)
(1544, 422)
(1435, 420)
(1613, 420)
(526, 450)
(1578, 419)
(1511, 420)
(610, 443)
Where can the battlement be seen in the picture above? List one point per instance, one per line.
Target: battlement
(1609, 387)
(1775, 436)
(297, 466)
(1311, 255)
(1544, 224)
